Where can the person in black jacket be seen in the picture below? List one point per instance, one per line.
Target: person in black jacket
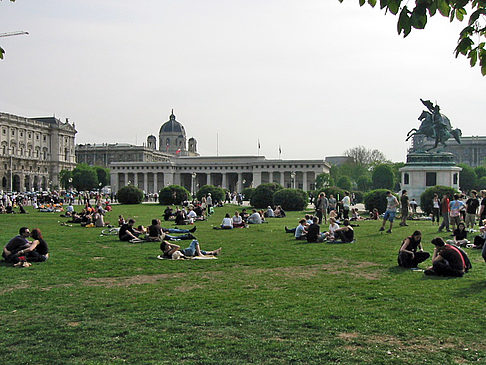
(411, 252)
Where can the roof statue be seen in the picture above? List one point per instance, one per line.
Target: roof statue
(435, 125)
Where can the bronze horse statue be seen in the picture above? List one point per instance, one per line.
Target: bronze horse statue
(435, 125)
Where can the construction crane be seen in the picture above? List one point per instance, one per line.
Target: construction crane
(10, 34)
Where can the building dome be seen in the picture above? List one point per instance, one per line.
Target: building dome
(172, 126)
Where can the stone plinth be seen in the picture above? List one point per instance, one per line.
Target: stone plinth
(424, 170)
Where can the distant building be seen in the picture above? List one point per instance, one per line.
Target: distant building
(471, 151)
(34, 151)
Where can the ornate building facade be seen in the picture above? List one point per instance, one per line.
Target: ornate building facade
(471, 150)
(33, 151)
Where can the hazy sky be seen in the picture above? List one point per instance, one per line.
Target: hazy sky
(314, 76)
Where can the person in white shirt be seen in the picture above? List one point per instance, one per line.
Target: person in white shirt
(191, 215)
(333, 226)
(227, 222)
(237, 220)
(346, 205)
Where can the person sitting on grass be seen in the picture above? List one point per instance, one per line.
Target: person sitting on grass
(168, 212)
(16, 244)
(448, 260)
(121, 221)
(481, 237)
(279, 212)
(333, 226)
(355, 215)
(127, 232)
(460, 235)
(169, 249)
(38, 251)
(255, 218)
(227, 222)
(344, 234)
(269, 213)
(314, 232)
(238, 221)
(374, 215)
(155, 232)
(244, 215)
(411, 252)
(301, 230)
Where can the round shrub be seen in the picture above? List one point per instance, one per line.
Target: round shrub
(173, 194)
(130, 194)
(290, 199)
(376, 199)
(263, 195)
(217, 194)
(428, 195)
(248, 193)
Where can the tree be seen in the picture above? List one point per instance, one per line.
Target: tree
(103, 175)
(365, 157)
(344, 182)
(467, 177)
(383, 177)
(322, 180)
(481, 184)
(64, 177)
(364, 183)
(453, 9)
(480, 171)
(84, 177)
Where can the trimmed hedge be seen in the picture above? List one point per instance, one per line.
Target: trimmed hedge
(427, 196)
(173, 194)
(376, 199)
(129, 194)
(248, 193)
(291, 199)
(263, 195)
(217, 194)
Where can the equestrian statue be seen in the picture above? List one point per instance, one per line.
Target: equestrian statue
(435, 125)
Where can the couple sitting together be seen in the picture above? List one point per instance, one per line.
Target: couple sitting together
(312, 232)
(154, 232)
(447, 259)
(20, 250)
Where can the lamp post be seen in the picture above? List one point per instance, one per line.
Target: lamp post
(292, 178)
(193, 184)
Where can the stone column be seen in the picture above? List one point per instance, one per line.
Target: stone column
(145, 182)
(270, 177)
(304, 181)
(156, 182)
(224, 181)
(126, 179)
(239, 187)
(135, 179)
(282, 176)
(257, 178)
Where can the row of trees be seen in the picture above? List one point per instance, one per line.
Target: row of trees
(85, 177)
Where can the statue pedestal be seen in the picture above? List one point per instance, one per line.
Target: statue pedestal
(424, 170)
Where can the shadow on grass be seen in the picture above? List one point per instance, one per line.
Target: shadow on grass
(475, 287)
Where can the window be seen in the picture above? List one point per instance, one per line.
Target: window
(4, 131)
(430, 178)
(21, 134)
(37, 137)
(406, 178)
(30, 135)
(44, 138)
(455, 179)
(13, 132)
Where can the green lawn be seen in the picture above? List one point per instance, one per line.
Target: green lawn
(267, 300)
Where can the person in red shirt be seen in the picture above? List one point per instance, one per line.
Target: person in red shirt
(444, 210)
(447, 260)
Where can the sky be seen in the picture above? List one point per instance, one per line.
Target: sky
(316, 77)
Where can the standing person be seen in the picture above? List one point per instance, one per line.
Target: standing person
(444, 211)
(435, 208)
(321, 207)
(346, 205)
(209, 200)
(332, 203)
(411, 252)
(482, 209)
(391, 211)
(404, 206)
(455, 211)
(472, 205)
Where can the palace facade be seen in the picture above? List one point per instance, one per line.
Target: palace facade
(33, 151)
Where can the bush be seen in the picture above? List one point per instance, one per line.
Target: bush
(481, 184)
(217, 194)
(383, 177)
(364, 183)
(344, 182)
(467, 178)
(130, 194)
(248, 193)
(358, 196)
(173, 194)
(428, 195)
(263, 195)
(376, 199)
(291, 199)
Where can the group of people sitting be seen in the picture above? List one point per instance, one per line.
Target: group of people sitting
(20, 251)
(88, 217)
(309, 230)
(154, 232)
(448, 259)
(186, 214)
(243, 219)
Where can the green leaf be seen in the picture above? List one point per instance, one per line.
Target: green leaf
(460, 14)
(404, 22)
(1, 53)
(362, 2)
(383, 4)
(444, 7)
(394, 6)
(452, 14)
(372, 3)
(432, 7)
(419, 17)
(473, 55)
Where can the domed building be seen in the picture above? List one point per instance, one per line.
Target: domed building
(173, 140)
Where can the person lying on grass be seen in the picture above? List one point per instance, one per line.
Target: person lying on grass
(344, 234)
(16, 244)
(411, 252)
(155, 232)
(169, 249)
(127, 232)
(38, 251)
(448, 260)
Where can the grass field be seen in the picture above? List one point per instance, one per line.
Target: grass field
(267, 300)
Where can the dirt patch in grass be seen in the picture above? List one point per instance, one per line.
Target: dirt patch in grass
(73, 324)
(130, 280)
(348, 335)
(12, 288)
